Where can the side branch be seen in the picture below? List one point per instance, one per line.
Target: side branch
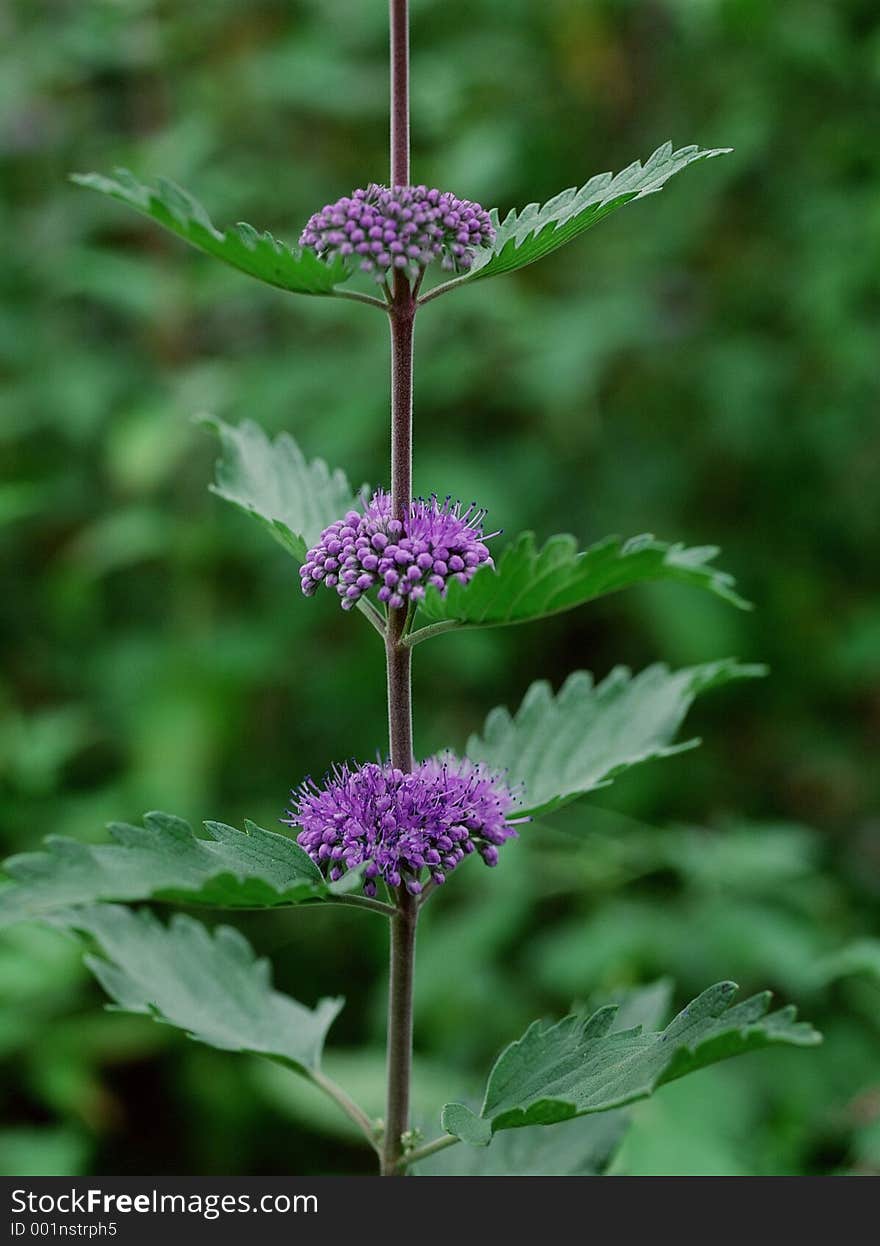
(348, 1106)
(359, 902)
(430, 1148)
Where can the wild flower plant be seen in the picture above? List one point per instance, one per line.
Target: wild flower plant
(382, 835)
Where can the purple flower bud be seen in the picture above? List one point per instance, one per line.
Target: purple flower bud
(401, 827)
(407, 227)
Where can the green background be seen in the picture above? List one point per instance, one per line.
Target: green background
(703, 366)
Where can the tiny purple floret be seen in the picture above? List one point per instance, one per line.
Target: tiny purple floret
(403, 228)
(407, 829)
(436, 543)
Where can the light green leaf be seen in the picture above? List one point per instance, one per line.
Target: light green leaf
(242, 246)
(581, 1066)
(536, 230)
(271, 480)
(162, 860)
(561, 747)
(208, 983)
(528, 583)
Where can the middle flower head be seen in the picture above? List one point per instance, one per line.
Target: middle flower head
(404, 828)
(435, 543)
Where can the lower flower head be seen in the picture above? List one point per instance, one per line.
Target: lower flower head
(404, 828)
(404, 228)
(436, 542)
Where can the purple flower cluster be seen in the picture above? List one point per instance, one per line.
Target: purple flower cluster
(403, 827)
(407, 227)
(435, 543)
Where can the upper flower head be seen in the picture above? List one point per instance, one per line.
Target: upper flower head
(406, 227)
(435, 543)
(403, 827)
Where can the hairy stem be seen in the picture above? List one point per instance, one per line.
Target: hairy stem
(399, 14)
(401, 311)
(399, 664)
(398, 654)
(400, 1017)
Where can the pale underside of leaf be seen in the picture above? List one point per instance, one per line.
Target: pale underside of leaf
(559, 747)
(210, 984)
(257, 254)
(271, 480)
(579, 1066)
(162, 860)
(529, 234)
(528, 584)
(580, 1147)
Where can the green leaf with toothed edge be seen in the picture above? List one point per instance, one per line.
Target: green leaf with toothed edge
(162, 860)
(581, 1147)
(209, 984)
(242, 246)
(528, 583)
(273, 482)
(536, 230)
(580, 1066)
(559, 747)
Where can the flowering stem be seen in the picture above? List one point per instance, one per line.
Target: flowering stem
(399, 14)
(401, 310)
(398, 654)
(400, 1015)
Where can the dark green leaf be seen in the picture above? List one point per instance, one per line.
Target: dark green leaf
(561, 747)
(577, 1148)
(272, 481)
(242, 246)
(536, 230)
(581, 1066)
(528, 583)
(162, 860)
(208, 983)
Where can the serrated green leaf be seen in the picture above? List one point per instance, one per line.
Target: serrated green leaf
(582, 1147)
(527, 583)
(208, 983)
(257, 254)
(162, 860)
(563, 746)
(294, 499)
(536, 230)
(579, 1066)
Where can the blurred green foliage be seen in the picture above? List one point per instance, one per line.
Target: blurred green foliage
(704, 366)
